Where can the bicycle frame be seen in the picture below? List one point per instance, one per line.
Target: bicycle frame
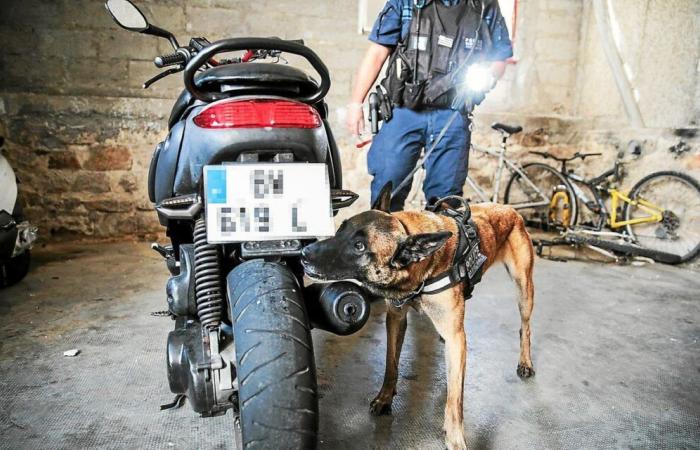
(654, 211)
(610, 218)
(504, 163)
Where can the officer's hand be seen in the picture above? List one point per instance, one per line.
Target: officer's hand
(355, 119)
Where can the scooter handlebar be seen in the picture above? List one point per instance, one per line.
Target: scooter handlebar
(234, 44)
(172, 59)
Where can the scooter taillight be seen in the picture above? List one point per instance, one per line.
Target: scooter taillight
(258, 113)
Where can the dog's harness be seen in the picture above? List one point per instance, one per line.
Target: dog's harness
(468, 262)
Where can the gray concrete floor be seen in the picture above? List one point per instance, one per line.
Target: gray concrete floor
(615, 348)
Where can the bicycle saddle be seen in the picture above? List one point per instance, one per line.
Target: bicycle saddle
(510, 129)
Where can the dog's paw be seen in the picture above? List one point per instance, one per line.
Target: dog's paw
(380, 407)
(455, 442)
(525, 371)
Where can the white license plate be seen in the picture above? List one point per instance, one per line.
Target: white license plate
(264, 202)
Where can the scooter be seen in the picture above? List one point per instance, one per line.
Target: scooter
(248, 174)
(17, 235)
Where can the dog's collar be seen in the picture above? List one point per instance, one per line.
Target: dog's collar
(400, 302)
(467, 264)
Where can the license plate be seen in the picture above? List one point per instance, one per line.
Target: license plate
(264, 202)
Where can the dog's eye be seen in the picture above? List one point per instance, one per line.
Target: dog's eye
(359, 246)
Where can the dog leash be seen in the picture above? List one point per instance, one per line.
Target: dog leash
(409, 177)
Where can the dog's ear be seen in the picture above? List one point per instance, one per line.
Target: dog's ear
(383, 202)
(417, 247)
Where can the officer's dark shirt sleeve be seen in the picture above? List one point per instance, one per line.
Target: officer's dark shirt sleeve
(502, 48)
(387, 28)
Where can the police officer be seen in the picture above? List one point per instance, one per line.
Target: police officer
(431, 44)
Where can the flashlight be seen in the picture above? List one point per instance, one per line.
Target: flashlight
(479, 78)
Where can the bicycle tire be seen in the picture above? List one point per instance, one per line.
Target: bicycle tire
(634, 192)
(627, 249)
(569, 190)
(278, 394)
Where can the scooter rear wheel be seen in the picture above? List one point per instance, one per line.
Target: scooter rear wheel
(276, 372)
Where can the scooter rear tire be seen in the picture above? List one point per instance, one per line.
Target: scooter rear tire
(276, 372)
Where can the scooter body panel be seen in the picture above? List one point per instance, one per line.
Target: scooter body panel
(188, 148)
(167, 163)
(8, 181)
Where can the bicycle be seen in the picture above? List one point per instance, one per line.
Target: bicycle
(539, 188)
(669, 233)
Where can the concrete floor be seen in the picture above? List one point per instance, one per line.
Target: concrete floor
(615, 348)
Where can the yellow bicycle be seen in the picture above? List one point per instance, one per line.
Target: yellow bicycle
(659, 218)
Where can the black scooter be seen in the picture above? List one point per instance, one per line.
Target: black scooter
(17, 235)
(248, 174)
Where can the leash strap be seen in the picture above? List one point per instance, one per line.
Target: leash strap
(409, 177)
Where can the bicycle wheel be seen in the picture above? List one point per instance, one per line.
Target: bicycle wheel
(678, 232)
(555, 203)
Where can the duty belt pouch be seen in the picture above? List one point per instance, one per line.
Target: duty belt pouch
(413, 95)
(385, 105)
(396, 76)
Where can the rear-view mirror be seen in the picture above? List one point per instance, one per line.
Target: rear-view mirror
(127, 15)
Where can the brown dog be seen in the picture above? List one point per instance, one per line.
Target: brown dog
(393, 254)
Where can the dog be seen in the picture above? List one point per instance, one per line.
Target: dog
(392, 254)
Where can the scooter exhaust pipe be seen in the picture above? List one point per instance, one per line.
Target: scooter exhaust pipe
(340, 307)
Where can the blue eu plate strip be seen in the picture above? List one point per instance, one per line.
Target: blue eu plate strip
(216, 185)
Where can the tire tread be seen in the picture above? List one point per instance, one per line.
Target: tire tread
(276, 366)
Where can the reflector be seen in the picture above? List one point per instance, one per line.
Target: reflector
(258, 113)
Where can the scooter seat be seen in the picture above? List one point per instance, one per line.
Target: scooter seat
(510, 129)
(256, 79)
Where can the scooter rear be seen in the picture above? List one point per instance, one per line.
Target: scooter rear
(248, 175)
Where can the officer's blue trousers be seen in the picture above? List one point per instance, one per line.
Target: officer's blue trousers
(396, 148)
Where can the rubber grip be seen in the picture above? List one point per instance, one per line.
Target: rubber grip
(169, 60)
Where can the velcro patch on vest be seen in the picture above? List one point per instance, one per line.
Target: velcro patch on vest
(445, 41)
(470, 42)
(421, 43)
(474, 261)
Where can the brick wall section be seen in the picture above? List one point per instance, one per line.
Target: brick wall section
(80, 130)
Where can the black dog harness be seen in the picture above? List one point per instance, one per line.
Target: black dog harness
(468, 262)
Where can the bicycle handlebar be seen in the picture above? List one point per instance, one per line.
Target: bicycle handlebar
(229, 45)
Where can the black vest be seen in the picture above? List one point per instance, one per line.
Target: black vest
(426, 66)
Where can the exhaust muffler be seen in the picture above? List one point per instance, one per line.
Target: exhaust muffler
(340, 307)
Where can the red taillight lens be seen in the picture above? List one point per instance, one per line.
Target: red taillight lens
(258, 114)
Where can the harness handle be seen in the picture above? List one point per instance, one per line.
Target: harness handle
(451, 209)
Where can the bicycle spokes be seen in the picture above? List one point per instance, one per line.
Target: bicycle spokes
(676, 227)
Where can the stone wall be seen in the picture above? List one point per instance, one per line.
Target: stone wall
(80, 130)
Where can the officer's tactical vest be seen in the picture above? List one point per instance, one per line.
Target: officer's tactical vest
(425, 69)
